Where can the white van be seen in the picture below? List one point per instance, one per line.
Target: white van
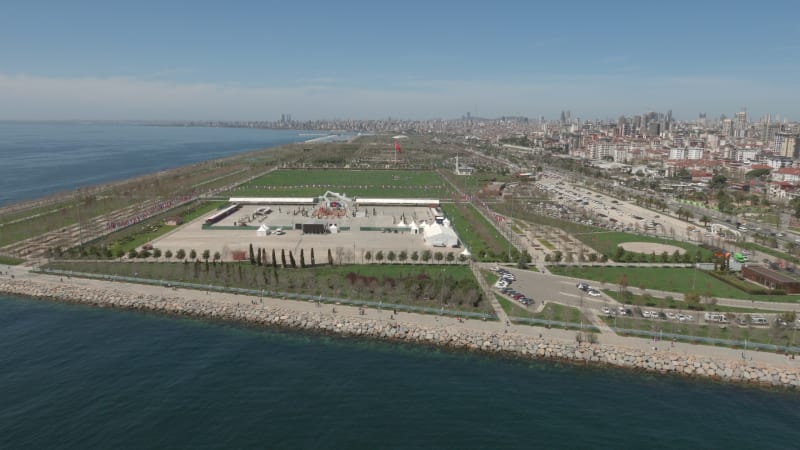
(759, 320)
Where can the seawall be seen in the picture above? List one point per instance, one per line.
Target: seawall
(250, 310)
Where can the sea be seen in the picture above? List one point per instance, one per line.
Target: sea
(42, 158)
(73, 376)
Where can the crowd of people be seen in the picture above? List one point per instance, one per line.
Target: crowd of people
(147, 213)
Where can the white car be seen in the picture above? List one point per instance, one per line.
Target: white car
(593, 293)
(672, 315)
(606, 310)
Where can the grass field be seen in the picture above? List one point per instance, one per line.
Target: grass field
(649, 302)
(478, 235)
(670, 279)
(452, 287)
(606, 242)
(361, 183)
(551, 311)
(10, 261)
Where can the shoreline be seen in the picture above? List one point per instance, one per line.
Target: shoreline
(442, 332)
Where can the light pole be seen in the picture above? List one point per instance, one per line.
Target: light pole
(511, 217)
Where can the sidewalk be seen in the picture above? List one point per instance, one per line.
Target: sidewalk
(495, 327)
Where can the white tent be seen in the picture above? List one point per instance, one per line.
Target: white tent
(333, 229)
(414, 227)
(263, 230)
(440, 236)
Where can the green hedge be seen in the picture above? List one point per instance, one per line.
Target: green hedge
(743, 285)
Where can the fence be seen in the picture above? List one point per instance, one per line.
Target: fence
(709, 341)
(273, 294)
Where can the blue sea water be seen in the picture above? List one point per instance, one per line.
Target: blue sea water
(42, 158)
(79, 377)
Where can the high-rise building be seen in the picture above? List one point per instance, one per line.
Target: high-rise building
(786, 145)
(740, 125)
(727, 127)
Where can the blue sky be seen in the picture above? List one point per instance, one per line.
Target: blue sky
(352, 59)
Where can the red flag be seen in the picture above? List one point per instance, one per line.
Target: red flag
(396, 147)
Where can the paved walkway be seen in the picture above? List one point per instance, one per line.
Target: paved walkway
(496, 327)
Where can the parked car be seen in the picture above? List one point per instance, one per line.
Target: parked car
(593, 293)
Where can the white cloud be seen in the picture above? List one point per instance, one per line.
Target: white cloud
(35, 97)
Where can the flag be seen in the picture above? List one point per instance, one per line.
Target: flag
(396, 147)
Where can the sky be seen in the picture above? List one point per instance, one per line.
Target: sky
(256, 60)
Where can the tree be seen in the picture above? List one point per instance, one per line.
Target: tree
(367, 256)
(756, 173)
(156, 253)
(426, 256)
(275, 261)
(330, 257)
(168, 254)
(705, 219)
(312, 258)
(192, 254)
(181, 254)
(718, 181)
(438, 256)
(402, 256)
(206, 254)
(302, 259)
(259, 260)
(622, 282)
(391, 256)
(291, 260)
(415, 256)
(522, 263)
(379, 256)
(692, 299)
(217, 257)
(133, 253)
(450, 257)
(283, 258)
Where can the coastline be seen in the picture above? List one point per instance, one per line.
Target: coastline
(483, 337)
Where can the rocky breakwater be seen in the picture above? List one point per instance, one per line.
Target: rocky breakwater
(461, 337)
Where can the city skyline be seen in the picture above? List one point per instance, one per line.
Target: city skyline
(193, 61)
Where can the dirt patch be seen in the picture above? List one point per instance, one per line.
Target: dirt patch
(650, 247)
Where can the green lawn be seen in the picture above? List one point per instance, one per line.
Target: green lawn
(607, 242)
(480, 237)
(10, 261)
(452, 287)
(353, 183)
(551, 311)
(670, 279)
(645, 301)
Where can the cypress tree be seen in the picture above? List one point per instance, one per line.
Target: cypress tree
(291, 260)
(252, 256)
(274, 261)
(302, 259)
(330, 257)
(258, 259)
(283, 258)
(312, 258)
